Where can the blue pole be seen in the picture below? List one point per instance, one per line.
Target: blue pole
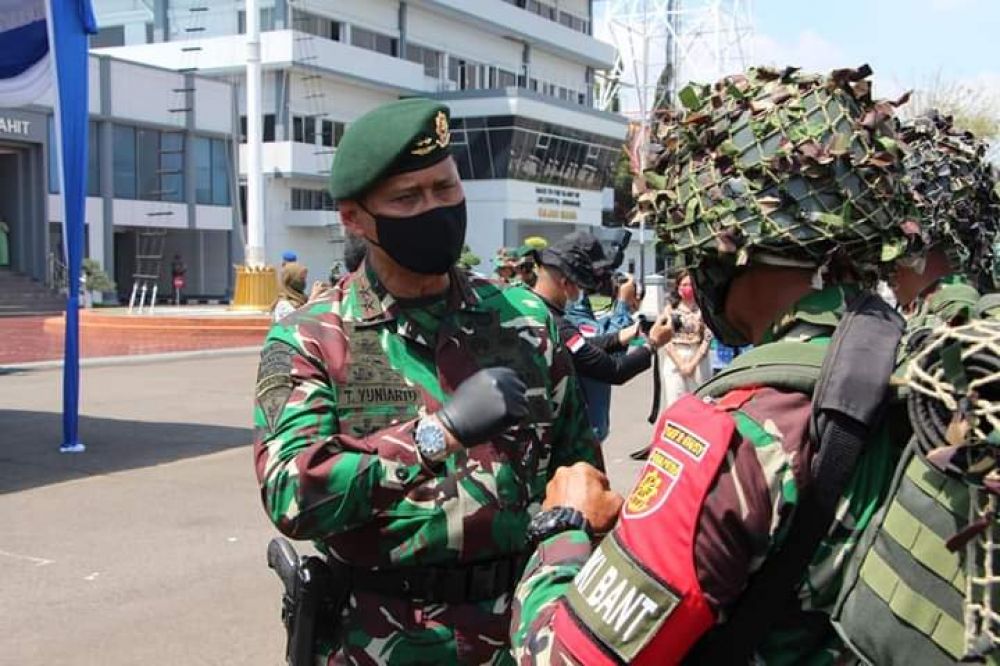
(69, 23)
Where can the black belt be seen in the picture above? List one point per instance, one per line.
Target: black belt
(461, 583)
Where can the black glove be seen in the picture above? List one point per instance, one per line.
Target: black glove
(485, 405)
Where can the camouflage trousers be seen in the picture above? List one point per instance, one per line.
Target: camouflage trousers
(385, 630)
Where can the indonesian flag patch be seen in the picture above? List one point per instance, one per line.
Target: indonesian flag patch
(588, 330)
(576, 343)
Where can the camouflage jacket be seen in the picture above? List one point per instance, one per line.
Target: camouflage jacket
(341, 385)
(744, 517)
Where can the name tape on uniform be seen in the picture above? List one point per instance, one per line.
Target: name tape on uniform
(617, 600)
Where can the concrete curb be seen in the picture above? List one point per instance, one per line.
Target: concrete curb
(135, 359)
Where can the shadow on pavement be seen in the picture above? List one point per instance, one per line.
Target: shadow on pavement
(29, 446)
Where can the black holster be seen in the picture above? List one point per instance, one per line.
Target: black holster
(312, 602)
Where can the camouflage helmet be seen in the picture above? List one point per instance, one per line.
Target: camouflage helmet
(778, 163)
(955, 190)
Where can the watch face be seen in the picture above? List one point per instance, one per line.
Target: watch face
(430, 440)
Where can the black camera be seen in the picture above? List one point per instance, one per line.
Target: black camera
(613, 242)
(645, 323)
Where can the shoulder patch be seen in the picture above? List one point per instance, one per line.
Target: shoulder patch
(588, 330)
(575, 343)
(619, 601)
(274, 381)
(659, 477)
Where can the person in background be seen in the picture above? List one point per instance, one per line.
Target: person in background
(524, 266)
(292, 293)
(580, 313)
(684, 362)
(503, 265)
(288, 257)
(626, 299)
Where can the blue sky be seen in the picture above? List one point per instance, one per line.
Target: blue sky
(907, 42)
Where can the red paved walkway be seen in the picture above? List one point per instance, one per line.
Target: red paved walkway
(23, 339)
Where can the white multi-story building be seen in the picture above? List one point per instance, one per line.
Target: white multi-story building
(535, 154)
(159, 180)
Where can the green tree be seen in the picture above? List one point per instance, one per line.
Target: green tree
(467, 259)
(95, 277)
(973, 107)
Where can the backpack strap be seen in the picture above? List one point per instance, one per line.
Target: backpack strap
(848, 403)
(786, 364)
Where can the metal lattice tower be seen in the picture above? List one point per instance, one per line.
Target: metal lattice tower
(663, 44)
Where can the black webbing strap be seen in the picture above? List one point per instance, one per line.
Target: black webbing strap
(654, 410)
(847, 407)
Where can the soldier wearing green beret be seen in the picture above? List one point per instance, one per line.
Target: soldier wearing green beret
(407, 422)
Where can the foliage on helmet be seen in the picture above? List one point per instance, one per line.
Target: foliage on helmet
(955, 190)
(781, 162)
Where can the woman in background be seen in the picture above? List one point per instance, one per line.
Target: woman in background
(292, 293)
(684, 361)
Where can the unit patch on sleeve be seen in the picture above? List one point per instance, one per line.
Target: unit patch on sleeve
(658, 478)
(691, 444)
(575, 343)
(619, 601)
(274, 381)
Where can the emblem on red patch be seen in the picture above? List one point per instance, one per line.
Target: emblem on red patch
(658, 478)
(576, 343)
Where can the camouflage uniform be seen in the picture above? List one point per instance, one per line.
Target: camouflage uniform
(750, 173)
(340, 386)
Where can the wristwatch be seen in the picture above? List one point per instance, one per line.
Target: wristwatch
(431, 440)
(555, 520)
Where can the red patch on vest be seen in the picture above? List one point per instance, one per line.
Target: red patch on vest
(658, 528)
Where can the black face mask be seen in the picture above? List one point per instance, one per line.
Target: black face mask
(429, 243)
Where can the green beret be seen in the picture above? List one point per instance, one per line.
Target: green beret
(398, 137)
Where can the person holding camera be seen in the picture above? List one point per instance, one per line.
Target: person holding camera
(684, 361)
(567, 268)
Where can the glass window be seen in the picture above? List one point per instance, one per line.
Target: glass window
(147, 142)
(268, 131)
(123, 161)
(220, 173)
(326, 133)
(113, 35)
(93, 161)
(203, 170)
(172, 166)
(500, 145)
(310, 130)
(243, 129)
(297, 134)
(479, 150)
(507, 79)
(53, 163)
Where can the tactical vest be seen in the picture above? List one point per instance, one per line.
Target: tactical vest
(638, 599)
(903, 596)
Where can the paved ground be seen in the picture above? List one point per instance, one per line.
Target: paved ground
(149, 548)
(25, 340)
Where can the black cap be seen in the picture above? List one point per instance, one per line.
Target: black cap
(580, 257)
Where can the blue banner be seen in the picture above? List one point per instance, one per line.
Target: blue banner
(44, 42)
(69, 23)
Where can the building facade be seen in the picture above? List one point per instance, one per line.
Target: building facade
(535, 154)
(159, 179)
